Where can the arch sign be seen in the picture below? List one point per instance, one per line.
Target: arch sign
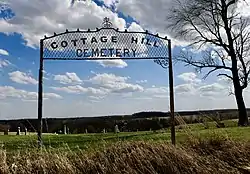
(105, 43)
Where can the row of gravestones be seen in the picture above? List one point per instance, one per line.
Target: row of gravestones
(6, 132)
(19, 131)
(66, 130)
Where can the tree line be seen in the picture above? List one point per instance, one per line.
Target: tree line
(141, 121)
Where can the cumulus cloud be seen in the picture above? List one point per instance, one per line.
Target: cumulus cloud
(194, 86)
(71, 89)
(22, 78)
(156, 92)
(102, 85)
(213, 89)
(153, 14)
(51, 95)
(189, 77)
(118, 63)
(11, 92)
(185, 89)
(135, 27)
(106, 78)
(4, 63)
(68, 78)
(4, 52)
(77, 89)
(141, 81)
(115, 84)
(243, 7)
(150, 14)
(35, 19)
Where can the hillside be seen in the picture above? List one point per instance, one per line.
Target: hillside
(138, 121)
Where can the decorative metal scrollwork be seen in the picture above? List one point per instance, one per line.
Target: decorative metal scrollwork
(162, 62)
(106, 23)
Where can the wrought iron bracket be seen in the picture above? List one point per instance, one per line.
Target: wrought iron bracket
(164, 63)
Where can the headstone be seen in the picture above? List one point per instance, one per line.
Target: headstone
(18, 131)
(104, 131)
(86, 131)
(116, 129)
(6, 132)
(65, 129)
(26, 131)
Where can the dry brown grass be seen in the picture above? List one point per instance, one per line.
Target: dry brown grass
(205, 157)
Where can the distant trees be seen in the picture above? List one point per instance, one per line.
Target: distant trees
(217, 27)
(127, 123)
(4, 128)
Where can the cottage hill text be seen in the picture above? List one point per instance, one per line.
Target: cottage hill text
(102, 52)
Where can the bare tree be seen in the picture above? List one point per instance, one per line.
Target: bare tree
(216, 27)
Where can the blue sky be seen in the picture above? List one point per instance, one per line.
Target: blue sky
(91, 88)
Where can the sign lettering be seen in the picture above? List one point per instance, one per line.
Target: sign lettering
(83, 46)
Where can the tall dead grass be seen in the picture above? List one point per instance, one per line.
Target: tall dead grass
(207, 157)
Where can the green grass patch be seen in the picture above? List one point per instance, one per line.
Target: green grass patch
(90, 142)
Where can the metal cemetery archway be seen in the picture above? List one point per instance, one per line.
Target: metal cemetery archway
(105, 43)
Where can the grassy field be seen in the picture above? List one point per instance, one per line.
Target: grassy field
(100, 140)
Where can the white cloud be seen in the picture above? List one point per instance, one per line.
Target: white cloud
(22, 78)
(185, 89)
(189, 77)
(4, 52)
(142, 98)
(77, 89)
(151, 15)
(33, 19)
(4, 63)
(157, 90)
(135, 27)
(193, 86)
(71, 89)
(96, 97)
(118, 63)
(213, 89)
(51, 95)
(102, 85)
(68, 78)
(243, 7)
(11, 92)
(141, 81)
(106, 78)
(115, 84)
(224, 80)
(72, 107)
